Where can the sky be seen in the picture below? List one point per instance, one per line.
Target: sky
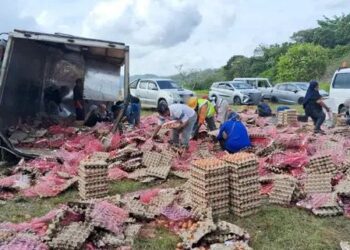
(164, 34)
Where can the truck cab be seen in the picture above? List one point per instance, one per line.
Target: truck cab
(339, 90)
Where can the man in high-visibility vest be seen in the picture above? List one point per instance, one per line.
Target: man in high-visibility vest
(205, 112)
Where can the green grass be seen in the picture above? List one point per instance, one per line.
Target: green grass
(275, 228)
(23, 209)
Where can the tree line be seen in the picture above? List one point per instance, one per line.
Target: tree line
(303, 59)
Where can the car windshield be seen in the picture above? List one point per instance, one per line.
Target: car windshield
(165, 84)
(302, 86)
(241, 85)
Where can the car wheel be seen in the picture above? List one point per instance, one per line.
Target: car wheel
(162, 101)
(300, 100)
(237, 100)
(274, 99)
(342, 109)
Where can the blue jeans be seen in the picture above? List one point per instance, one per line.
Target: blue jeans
(133, 113)
(185, 133)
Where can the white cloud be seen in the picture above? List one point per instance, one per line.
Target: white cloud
(166, 33)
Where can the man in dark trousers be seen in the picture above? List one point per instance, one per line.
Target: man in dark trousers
(79, 99)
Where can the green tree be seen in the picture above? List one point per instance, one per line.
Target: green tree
(330, 33)
(302, 62)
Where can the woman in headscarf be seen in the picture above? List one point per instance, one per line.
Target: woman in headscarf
(313, 105)
(233, 135)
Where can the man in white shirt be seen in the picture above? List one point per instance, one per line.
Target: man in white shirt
(181, 113)
(222, 109)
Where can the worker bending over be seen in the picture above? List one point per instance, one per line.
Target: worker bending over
(205, 111)
(233, 135)
(182, 114)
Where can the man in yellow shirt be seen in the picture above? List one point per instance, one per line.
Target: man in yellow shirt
(205, 112)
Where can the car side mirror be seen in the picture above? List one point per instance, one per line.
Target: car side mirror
(295, 91)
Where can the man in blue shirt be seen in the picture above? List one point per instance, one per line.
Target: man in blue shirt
(233, 135)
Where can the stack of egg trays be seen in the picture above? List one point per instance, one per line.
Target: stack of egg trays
(209, 185)
(93, 179)
(318, 183)
(244, 184)
(151, 159)
(321, 164)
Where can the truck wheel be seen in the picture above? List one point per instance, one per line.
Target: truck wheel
(162, 101)
(274, 99)
(300, 100)
(237, 100)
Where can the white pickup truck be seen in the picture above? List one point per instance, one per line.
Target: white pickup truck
(339, 90)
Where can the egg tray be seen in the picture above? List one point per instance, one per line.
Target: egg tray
(201, 212)
(181, 174)
(244, 195)
(72, 236)
(91, 195)
(230, 228)
(269, 149)
(205, 195)
(245, 212)
(249, 175)
(244, 182)
(275, 169)
(100, 156)
(254, 187)
(318, 183)
(343, 188)
(327, 211)
(160, 172)
(218, 173)
(282, 191)
(138, 210)
(320, 164)
(92, 185)
(208, 188)
(6, 235)
(203, 154)
(209, 178)
(221, 211)
(219, 199)
(216, 181)
(239, 157)
(92, 175)
(138, 174)
(131, 231)
(136, 154)
(191, 238)
(254, 201)
(151, 159)
(209, 164)
(244, 171)
(108, 240)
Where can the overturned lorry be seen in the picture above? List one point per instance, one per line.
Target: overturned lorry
(33, 61)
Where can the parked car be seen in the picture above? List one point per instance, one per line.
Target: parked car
(339, 90)
(262, 84)
(235, 92)
(154, 91)
(291, 92)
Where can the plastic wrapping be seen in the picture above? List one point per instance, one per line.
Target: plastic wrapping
(147, 196)
(116, 173)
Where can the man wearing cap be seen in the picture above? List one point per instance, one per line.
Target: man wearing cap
(233, 135)
(205, 111)
(185, 116)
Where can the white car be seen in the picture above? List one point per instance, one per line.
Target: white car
(262, 84)
(339, 90)
(154, 91)
(235, 92)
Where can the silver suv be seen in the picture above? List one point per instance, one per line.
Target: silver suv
(235, 92)
(154, 91)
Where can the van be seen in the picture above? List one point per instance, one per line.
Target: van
(339, 90)
(262, 84)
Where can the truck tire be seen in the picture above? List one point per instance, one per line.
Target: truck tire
(300, 100)
(237, 100)
(342, 109)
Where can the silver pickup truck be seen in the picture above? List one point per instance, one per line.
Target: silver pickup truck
(154, 91)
